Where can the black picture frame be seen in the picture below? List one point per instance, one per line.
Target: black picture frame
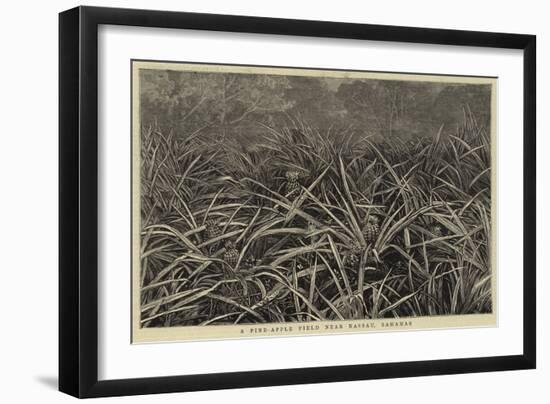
(78, 200)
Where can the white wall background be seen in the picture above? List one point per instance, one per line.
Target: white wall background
(28, 201)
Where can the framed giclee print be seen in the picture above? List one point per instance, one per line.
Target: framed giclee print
(291, 201)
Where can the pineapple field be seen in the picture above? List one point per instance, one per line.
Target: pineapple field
(308, 224)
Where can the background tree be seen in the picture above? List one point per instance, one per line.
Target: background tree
(388, 108)
(314, 102)
(218, 104)
(452, 100)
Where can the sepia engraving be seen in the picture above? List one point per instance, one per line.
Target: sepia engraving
(285, 201)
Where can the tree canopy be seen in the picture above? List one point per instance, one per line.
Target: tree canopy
(231, 105)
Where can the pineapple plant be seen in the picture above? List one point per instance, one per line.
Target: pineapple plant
(371, 229)
(231, 254)
(292, 184)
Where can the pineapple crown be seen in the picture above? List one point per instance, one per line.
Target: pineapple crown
(229, 244)
(292, 175)
(373, 219)
(211, 222)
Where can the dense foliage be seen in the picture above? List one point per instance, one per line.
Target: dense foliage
(314, 225)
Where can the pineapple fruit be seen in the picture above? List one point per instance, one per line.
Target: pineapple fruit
(437, 230)
(249, 263)
(231, 254)
(371, 229)
(292, 184)
(213, 228)
(354, 253)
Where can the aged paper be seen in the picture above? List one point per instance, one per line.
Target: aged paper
(271, 201)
